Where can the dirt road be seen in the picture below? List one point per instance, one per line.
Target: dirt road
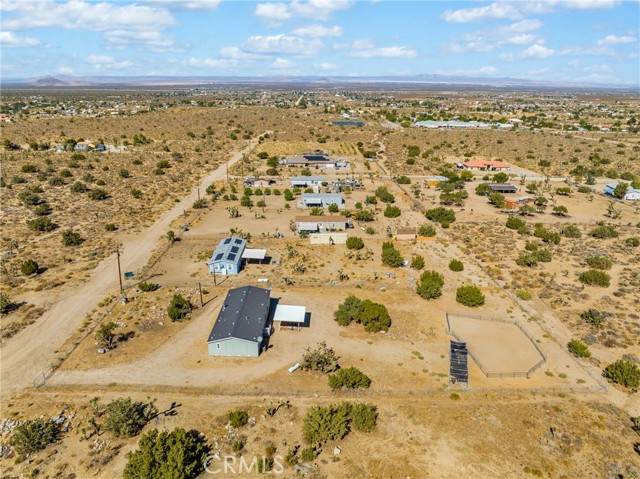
(32, 350)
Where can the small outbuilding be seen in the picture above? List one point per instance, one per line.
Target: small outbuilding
(242, 327)
(289, 316)
(503, 188)
(307, 181)
(632, 194)
(406, 234)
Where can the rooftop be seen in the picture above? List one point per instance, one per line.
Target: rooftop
(229, 249)
(321, 219)
(243, 314)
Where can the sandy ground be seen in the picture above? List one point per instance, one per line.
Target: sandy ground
(501, 347)
(32, 350)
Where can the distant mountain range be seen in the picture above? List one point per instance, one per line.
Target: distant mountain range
(427, 81)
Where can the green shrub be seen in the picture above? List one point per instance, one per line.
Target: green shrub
(147, 287)
(175, 454)
(599, 262)
(417, 262)
(634, 242)
(199, 204)
(392, 212)
(524, 295)
(441, 215)
(349, 378)
(373, 316)
(571, 231)
(363, 215)
(136, 193)
(403, 180)
(308, 454)
(178, 308)
(364, 417)
(5, 303)
(623, 372)
(593, 316)
(78, 187)
(110, 227)
(430, 285)
(391, 256)
(56, 181)
(604, 231)
(98, 194)
(384, 195)
(515, 223)
(71, 238)
(237, 418)
(29, 267)
(42, 223)
(578, 348)
(125, 418)
(355, 242)
(470, 296)
(34, 435)
(594, 277)
(323, 358)
(427, 231)
(456, 265)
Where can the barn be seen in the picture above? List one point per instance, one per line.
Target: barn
(242, 327)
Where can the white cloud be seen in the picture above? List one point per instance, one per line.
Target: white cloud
(237, 54)
(11, 40)
(327, 66)
(276, 13)
(65, 70)
(514, 10)
(360, 44)
(282, 63)
(219, 63)
(489, 39)
(281, 44)
(186, 5)
(126, 25)
(318, 31)
(477, 14)
(615, 40)
(537, 51)
(384, 52)
(105, 62)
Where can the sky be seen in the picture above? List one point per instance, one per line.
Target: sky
(576, 40)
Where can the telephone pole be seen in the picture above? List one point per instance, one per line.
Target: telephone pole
(119, 271)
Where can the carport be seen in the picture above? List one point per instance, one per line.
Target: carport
(290, 316)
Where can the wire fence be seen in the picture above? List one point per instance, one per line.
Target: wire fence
(476, 359)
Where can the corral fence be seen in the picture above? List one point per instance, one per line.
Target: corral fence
(476, 359)
(42, 377)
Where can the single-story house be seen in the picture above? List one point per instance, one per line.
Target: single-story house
(317, 159)
(632, 194)
(263, 183)
(406, 234)
(241, 328)
(486, 165)
(319, 224)
(227, 257)
(310, 200)
(307, 181)
(503, 188)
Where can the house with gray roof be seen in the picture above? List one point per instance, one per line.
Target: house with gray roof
(227, 257)
(242, 327)
(322, 200)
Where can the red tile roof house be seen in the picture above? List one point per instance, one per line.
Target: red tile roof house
(486, 165)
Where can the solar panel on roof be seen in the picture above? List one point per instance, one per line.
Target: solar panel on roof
(238, 241)
(235, 249)
(315, 158)
(231, 257)
(218, 257)
(227, 241)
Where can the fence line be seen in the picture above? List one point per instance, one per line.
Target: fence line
(483, 368)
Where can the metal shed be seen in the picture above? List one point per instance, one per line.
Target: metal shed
(308, 200)
(241, 328)
(503, 188)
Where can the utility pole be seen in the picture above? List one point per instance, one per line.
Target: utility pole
(198, 192)
(119, 271)
(215, 282)
(200, 291)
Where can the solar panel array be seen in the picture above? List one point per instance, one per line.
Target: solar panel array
(458, 368)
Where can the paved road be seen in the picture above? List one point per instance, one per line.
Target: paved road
(34, 349)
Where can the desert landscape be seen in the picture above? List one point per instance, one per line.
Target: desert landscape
(111, 224)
